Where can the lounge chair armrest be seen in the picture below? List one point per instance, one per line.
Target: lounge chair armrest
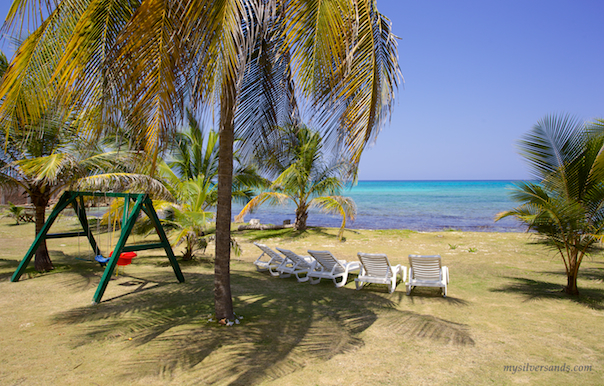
(353, 266)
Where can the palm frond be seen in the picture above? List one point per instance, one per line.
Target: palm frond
(551, 144)
(343, 206)
(28, 88)
(51, 169)
(27, 13)
(267, 98)
(82, 72)
(272, 198)
(346, 60)
(121, 182)
(146, 72)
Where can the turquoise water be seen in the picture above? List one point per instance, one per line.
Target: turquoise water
(416, 205)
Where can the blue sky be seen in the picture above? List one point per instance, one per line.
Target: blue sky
(478, 75)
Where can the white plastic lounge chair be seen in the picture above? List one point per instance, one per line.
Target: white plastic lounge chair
(299, 265)
(427, 271)
(274, 261)
(332, 268)
(375, 268)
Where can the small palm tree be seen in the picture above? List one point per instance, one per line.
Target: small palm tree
(190, 176)
(566, 206)
(15, 212)
(305, 179)
(190, 216)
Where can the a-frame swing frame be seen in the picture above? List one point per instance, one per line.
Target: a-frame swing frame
(141, 202)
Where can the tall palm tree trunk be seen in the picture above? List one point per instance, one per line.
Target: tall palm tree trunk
(42, 261)
(223, 302)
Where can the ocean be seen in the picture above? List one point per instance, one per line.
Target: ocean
(415, 205)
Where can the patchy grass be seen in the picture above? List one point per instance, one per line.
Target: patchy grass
(505, 308)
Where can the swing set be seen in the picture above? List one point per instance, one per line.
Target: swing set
(136, 201)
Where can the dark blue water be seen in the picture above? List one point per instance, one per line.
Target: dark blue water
(416, 205)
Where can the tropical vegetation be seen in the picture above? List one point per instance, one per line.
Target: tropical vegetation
(190, 176)
(305, 178)
(15, 212)
(255, 64)
(57, 159)
(566, 205)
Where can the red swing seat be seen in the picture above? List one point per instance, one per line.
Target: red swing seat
(125, 258)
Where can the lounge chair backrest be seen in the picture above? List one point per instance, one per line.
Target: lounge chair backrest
(269, 252)
(328, 261)
(425, 267)
(375, 264)
(292, 256)
(289, 254)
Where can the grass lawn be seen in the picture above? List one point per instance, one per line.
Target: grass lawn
(504, 308)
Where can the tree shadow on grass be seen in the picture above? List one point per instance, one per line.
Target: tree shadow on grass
(435, 295)
(286, 326)
(596, 274)
(585, 273)
(538, 289)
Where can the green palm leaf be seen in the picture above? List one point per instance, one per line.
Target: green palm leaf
(343, 206)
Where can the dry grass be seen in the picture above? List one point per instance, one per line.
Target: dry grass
(504, 308)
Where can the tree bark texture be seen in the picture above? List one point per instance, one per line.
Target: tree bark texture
(223, 302)
(42, 261)
(571, 286)
(572, 273)
(301, 216)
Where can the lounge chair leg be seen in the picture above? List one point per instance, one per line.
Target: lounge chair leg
(315, 281)
(302, 279)
(341, 283)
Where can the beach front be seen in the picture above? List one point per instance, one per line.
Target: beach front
(505, 320)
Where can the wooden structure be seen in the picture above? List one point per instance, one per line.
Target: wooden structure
(135, 201)
(28, 215)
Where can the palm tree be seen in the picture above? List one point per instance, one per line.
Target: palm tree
(566, 206)
(244, 59)
(57, 159)
(15, 212)
(304, 179)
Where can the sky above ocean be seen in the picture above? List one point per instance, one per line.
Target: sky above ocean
(478, 75)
